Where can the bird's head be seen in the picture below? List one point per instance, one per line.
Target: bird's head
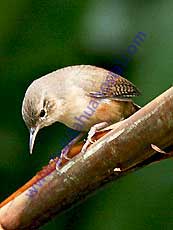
(39, 109)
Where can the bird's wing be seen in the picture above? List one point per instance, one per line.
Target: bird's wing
(116, 87)
(100, 83)
(110, 85)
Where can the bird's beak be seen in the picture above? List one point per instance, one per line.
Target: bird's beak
(33, 133)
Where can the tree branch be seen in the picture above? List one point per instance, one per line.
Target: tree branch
(125, 148)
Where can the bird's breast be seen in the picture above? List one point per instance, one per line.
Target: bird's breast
(86, 111)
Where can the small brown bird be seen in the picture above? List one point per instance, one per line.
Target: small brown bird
(78, 96)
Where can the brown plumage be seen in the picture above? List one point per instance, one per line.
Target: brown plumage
(78, 96)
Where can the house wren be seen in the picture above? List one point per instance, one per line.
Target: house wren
(78, 96)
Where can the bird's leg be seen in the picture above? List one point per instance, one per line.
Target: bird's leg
(91, 133)
(65, 150)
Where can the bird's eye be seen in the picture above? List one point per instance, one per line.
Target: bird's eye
(42, 113)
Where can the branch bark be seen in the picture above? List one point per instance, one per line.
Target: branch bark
(125, 147)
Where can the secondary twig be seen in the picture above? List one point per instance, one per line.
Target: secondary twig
(122, 149)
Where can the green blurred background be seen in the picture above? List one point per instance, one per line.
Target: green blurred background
(37, 37)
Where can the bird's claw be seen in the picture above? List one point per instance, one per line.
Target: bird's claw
(91, 133)
(89, 140)
(64, 152)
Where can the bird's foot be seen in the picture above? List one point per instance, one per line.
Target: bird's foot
(65, 152)
(64, 155)
(91, 133)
